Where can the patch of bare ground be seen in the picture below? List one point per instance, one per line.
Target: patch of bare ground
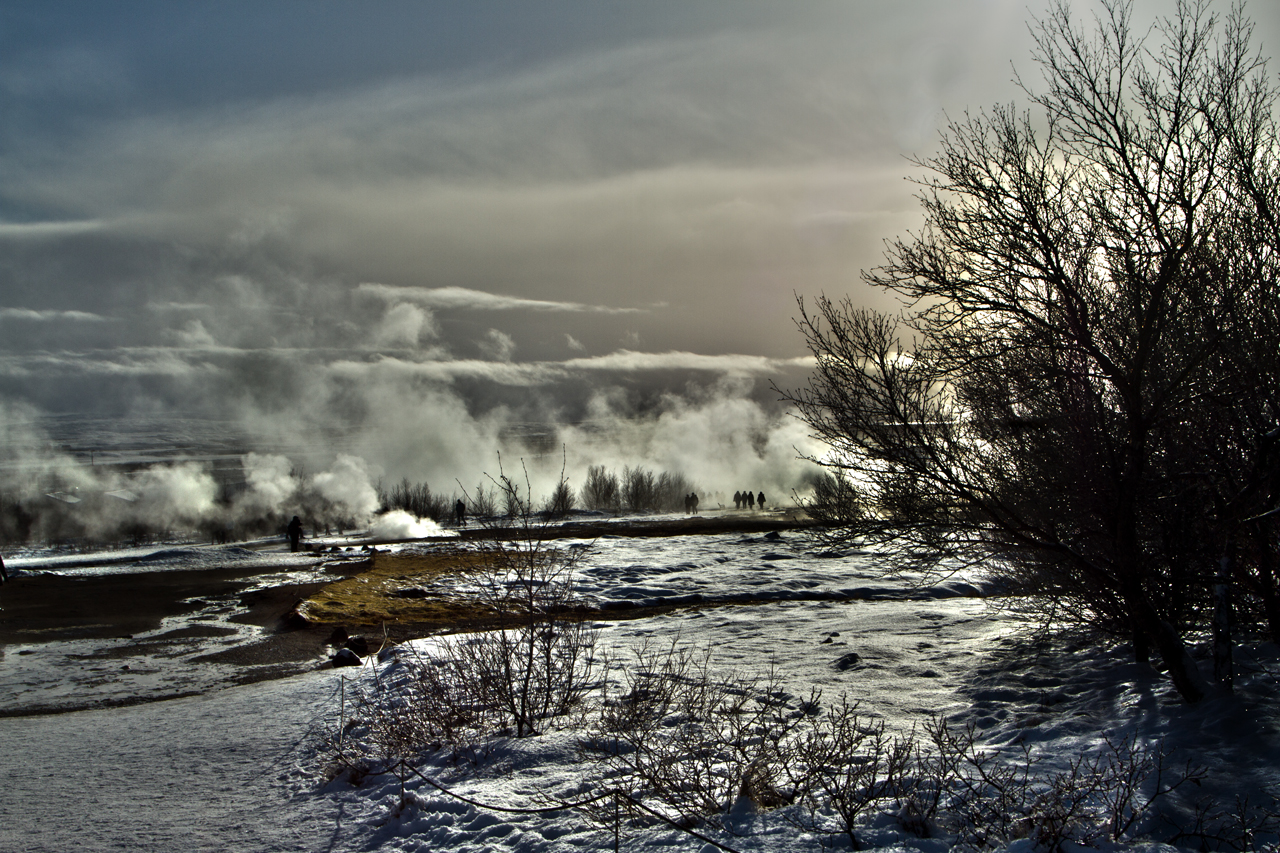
(415, 591)
(402, 596)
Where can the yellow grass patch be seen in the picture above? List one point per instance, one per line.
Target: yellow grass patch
(375, 597)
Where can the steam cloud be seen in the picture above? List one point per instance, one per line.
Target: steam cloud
(398, 524)
(719, 437)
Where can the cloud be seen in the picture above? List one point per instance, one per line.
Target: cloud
(622, 362)
(478, 300)
(38, 230)
(192, 335)
(404, 325)
(667, 194)
(46, 316)
(498, 345)
(630, 362)
(177, 306)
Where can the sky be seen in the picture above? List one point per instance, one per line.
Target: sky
(328, 218)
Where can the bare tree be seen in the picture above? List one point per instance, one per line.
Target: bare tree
(639, 489)
(1076, 298)
(601, 491)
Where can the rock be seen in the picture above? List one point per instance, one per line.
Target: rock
(339, 637)
(346, 657)
(847, 662)
(294, 621)
(411, 592)
(359, 645)
(773, 535)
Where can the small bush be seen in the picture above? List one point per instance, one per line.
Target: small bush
(562, 500)
(696, 743)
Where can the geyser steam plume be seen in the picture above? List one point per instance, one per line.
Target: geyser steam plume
(719, 439)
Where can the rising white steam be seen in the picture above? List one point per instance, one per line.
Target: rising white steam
(719, 438)
(269, 482)
(177, 494)
(398, 524)
(348, 489)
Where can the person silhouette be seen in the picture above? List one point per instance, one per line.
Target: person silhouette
(295, 533)
(460, 513)
(760, 500)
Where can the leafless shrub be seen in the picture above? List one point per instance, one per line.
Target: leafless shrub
(562, 500)
(834, 503)
(417, 499)
(990, 799)
(601, 491)
(703, 746)
(849, 767)
(698, 744)
(1245, 825)
(676, 739)
(483, 503)
(534, 664)
(639, 489)
(431, 705)
(672, 489)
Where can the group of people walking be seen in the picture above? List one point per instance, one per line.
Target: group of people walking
(746, 500)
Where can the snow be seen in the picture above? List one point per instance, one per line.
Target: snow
(158, 558)
(241, 768)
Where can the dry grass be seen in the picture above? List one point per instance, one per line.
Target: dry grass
(375, 597)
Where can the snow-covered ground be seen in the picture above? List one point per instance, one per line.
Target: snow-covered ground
(238, 768)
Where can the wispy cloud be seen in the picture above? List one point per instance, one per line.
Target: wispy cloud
(37, 230)
(479, 300)
(630, 361)
(158, 364)
(177, 306)
(48, 316)
(542, 372)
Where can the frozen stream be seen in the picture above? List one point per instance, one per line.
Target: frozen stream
(224, 771)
